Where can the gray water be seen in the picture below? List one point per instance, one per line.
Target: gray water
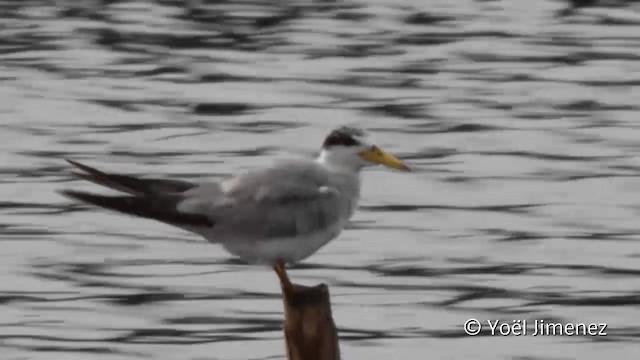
(520, 120)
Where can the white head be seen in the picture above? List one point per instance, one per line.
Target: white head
(351, 149)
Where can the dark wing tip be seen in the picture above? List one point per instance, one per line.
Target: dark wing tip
(84, 167)
(81, 196)
(74, 163)
(160, 208)
(127, 183)
(69, 194)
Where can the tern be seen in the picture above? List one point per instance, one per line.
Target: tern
(272, 216)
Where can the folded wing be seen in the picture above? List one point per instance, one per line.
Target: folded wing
(290, 200)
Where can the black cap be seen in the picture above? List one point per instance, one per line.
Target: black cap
(343, 136)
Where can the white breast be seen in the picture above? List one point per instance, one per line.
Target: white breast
(290, 250)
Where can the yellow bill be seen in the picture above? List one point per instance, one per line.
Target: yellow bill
(376, 155)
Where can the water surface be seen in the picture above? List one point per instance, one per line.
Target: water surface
(519, 117)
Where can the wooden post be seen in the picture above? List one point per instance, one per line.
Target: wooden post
(309, 330)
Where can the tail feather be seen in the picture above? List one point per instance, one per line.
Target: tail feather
(157, 207)
(129, 184)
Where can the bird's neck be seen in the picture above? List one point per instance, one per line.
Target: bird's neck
(335, 164)
(346, 179)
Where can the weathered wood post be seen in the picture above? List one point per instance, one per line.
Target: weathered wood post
(309, 330)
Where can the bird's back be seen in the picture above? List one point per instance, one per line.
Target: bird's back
(271, 200)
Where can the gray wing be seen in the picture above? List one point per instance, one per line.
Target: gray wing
(291, 199)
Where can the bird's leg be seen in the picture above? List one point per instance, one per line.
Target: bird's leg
(282, 274)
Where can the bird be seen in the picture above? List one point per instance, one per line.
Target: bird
(276, 215)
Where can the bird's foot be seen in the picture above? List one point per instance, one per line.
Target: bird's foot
(281, 271)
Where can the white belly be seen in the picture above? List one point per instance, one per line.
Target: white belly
(290, 250)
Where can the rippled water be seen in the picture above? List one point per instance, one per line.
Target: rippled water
(520, 117)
